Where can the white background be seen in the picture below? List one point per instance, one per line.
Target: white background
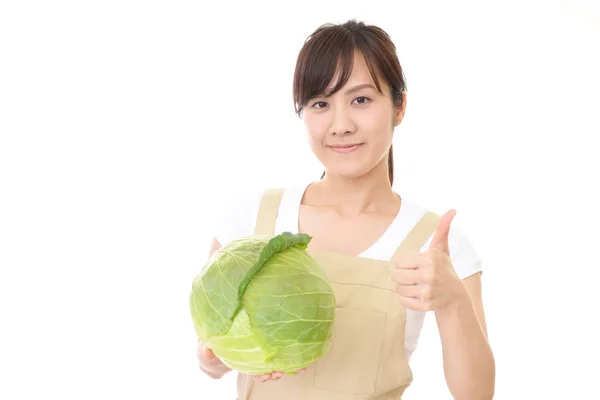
(125, 124)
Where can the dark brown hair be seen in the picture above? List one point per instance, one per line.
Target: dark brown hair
(331, 46)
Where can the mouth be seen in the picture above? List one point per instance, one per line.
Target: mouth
(345, 148)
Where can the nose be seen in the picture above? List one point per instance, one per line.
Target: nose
(341, 123)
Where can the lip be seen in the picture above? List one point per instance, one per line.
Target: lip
(345, 148)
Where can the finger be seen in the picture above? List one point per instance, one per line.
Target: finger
(208, 354)
(440, 238)
(411, 261)
(412, 303)
(406, 276)
(301, 371)
(261, 378)
(409, 291)
(276, 375)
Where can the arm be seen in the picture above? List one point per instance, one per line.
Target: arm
(210, 364)
(469, 365)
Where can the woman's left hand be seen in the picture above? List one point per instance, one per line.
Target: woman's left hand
(427, 281)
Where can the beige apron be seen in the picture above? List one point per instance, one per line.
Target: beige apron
(367, 358)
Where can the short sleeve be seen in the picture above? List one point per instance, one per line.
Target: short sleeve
(236, 217)
(463, 255)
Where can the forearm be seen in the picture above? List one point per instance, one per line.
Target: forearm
(469, 365)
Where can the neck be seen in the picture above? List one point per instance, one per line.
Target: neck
(371, 192)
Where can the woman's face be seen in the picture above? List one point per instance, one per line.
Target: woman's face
(351, 131)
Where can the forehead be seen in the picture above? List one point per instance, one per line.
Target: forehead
(359, 74)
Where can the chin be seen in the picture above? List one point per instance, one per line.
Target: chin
(348, 172)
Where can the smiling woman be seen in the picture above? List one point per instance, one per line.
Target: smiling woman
(367, 67)
(388, 259)
(361, 117)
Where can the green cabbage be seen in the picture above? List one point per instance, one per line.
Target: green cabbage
(263, 304)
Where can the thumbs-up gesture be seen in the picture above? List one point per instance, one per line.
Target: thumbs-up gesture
(427, 281)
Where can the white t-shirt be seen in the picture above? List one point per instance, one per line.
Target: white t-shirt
(238, 219)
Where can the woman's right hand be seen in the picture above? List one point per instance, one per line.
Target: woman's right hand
(210, 364)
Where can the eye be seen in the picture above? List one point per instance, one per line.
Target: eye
(319, 104)
(362, 100)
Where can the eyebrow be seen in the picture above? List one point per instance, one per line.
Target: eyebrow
(355, 88)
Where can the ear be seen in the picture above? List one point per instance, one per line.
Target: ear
(399, 113)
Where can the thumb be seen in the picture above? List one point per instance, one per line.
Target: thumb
(440, 238)
(208, 354)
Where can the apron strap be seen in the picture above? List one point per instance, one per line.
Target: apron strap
(268, 211)
(418, 235)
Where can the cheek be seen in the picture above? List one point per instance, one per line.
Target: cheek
(382, 120)
(379, 127)
(315, 132)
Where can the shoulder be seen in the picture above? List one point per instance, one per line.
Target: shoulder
(464, 256)
(236, 214)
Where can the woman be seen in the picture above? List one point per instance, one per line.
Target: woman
(390, 260)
